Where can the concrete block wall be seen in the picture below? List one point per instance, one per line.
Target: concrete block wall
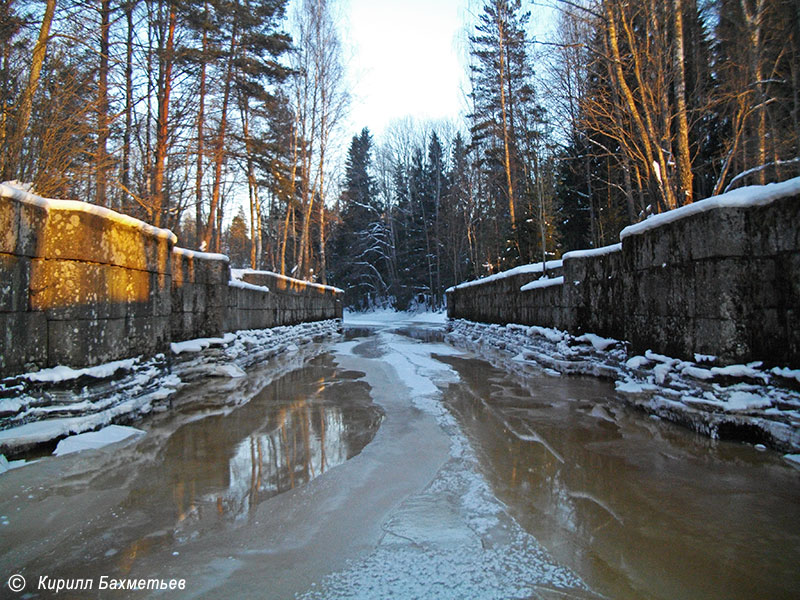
(500, 301)
(594, 292)
(199, 294)
(81, 285)
(77, 279)
(298, 301)
(720, 277)
(724, 281)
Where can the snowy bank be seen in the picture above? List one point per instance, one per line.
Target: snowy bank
(48, 405)
(739, 402)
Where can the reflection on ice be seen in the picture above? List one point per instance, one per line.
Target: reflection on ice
(638, 508)
(201, 469)
(308, 439)
(291, 432)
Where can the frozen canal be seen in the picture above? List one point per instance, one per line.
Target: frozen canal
(391, 465)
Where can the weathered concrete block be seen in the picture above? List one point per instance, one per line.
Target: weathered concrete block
(772, 229)
(93, 234)
(23, 342)
(15, 276)
(9, 225)
(68, 289)
(712, 234)
(724, 338)
(86, 342)
(147, 335)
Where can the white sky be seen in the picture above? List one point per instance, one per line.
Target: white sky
(403, 60)
(408, 57)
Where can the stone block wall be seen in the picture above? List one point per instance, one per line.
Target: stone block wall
(724, 281)
(81, 285)
(594, 292)
(199, 294)
(77, 279)
(298, 301)
(498, 299)
(720, 277)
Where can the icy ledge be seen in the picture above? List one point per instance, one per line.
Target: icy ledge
(49, 405)
(739, 402)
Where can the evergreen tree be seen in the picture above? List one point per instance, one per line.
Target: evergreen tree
(361, 241)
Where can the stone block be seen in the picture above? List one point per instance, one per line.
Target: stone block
(788, 270)
(767, 335)
(68, 289)
(146, 335)
(716, 233)
(100, 236)
(791, 319)
(723, 338)
(23, 342)
(15, 276)
(30, 232)
(217, 295)
(9, 225)
(86, 342)
(772, 229)
(722, 288)
(764, 282)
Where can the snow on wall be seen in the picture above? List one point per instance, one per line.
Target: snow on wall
(746, 197)
(290, 282)
(531, 269)
(719, 277)
(13, 190)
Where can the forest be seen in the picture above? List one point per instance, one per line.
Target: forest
(223, 120)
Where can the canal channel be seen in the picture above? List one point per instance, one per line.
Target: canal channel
(389, 464)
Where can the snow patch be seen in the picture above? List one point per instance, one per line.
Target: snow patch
(787, 373)
(592, 252)
(199, 344)
(793, 458)
(597, 342)
(63, 373)
(746, 401)
(542, 283)
(247, 286)
(201, 255)
(238, 274)
(95, 439)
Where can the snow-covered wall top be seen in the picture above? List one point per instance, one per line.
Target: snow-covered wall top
(754, 195)
(531, 269)
(201, 255)
(592, 252)
(244, 274)
(14, 191)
